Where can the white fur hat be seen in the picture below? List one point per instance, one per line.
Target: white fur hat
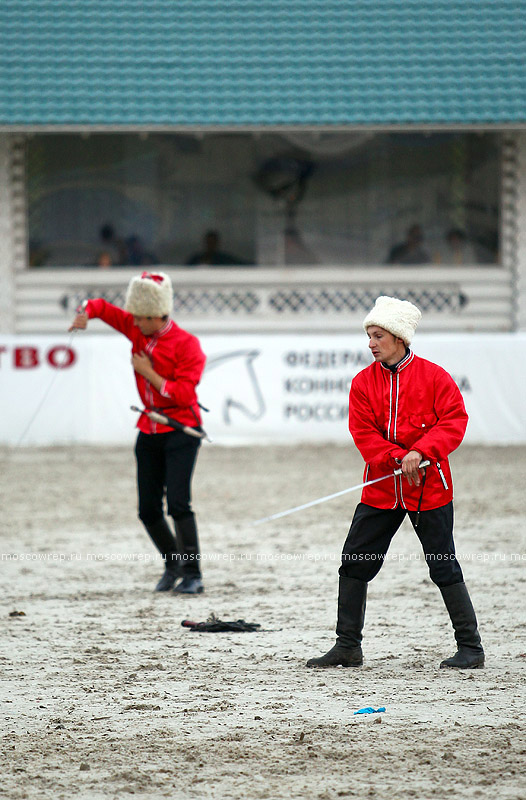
(150, 295)
(399, 317)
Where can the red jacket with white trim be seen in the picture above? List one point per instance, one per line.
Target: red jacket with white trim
(416, 407)
(175, 354)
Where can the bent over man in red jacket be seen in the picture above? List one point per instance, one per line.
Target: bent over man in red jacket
(168, 364)
(403, 410)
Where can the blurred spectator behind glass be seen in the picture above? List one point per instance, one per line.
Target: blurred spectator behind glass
(296, 251)
(38, 253)
(136, 255)
(104, 260)
(212, 255)
(411, 250)
(112, 245)
(457, 249)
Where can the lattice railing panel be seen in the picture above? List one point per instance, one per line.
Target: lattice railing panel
(217, 301)
(338, 301)
(285, 300)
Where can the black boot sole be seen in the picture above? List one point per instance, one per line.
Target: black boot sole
(332, 659)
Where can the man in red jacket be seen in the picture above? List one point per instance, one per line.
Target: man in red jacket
(168, 364)
(403, 410)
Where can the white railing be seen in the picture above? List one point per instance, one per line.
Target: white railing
(228, 300)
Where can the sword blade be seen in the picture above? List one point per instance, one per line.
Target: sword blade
(333, 496)
(320, 500)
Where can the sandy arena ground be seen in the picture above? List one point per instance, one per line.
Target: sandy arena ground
(107, 695)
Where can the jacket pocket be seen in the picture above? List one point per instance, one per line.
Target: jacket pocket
(423, 421)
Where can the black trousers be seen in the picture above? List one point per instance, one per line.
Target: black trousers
(371, 532)
(165, 464)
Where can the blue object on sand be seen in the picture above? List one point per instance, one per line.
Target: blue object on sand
(370, 710)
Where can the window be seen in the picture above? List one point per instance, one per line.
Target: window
(241, 199)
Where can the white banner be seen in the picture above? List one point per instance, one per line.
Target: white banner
(259, 388)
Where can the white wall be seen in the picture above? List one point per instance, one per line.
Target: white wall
(7, 278)
(259, 388)
(520, 230)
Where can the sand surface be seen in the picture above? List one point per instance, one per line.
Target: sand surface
(106, 695)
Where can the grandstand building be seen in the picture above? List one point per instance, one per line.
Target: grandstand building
(284, 162)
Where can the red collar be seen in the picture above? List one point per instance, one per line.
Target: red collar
(165, 328)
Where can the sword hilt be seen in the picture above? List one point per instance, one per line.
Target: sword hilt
(422, 465)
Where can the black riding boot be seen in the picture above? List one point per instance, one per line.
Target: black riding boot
(470, 654)
(347, 651)
(165, 542)
(188, 542)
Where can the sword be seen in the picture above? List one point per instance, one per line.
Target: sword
(422, 465)
(155, 416)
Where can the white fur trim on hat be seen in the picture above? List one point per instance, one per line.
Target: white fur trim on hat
(399, 317)
(150, 295)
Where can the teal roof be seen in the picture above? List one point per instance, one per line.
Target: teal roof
(237, 63)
